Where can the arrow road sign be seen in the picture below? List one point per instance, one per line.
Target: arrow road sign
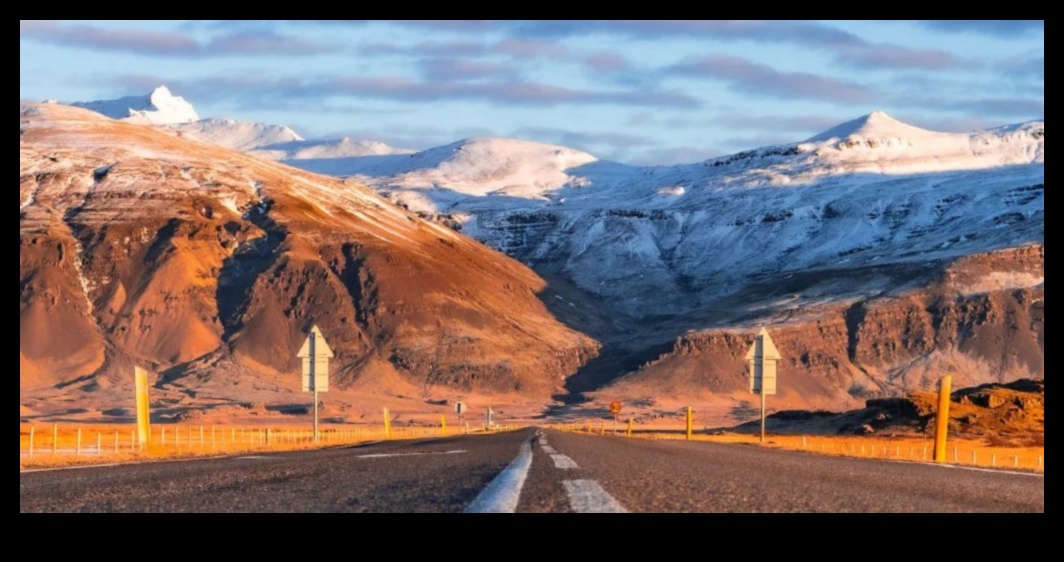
(763, 358)
(315, 354)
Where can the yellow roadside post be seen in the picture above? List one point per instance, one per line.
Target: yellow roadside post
(143, 411)
(690, 423)
(387, 424)
(602, 430)
(443, 425)
(55, 439)
(33, 434)
(942, 421)
(631, 426)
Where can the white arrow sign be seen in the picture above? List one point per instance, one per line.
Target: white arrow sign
(763, 358)
(315, 354)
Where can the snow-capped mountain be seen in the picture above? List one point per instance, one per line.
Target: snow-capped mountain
(157, 108)
(668, 240)
(274, 142)
(237, 135)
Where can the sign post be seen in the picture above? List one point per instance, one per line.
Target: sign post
(143, 408)
(764, 358)
(315, 355)
(616, 408)
(460, 409)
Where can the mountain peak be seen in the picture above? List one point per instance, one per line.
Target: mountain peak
(160, 107)
(876, 125)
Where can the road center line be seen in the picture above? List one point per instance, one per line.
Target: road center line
(563, 462)
(412, 455)
(587, 496)
(504, 493)
(549, 450)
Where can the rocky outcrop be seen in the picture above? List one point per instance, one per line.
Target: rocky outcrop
(841, 355)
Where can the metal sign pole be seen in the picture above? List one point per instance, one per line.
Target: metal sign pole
(763, 403)
(313, 380)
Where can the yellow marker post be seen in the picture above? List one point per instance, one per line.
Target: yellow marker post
(387, 424)
(443, 425)
(690, 424)
(942, 422)
(602, 430)
(55, 439)
(631, 426)
(143, 409)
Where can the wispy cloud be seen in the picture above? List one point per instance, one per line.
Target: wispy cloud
(455, 70)
(170, 44)
(398, 88)
(540, 37)
(999, 28)
(758, 79)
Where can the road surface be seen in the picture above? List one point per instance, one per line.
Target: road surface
(535, 473)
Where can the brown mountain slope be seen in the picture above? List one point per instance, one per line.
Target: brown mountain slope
(209, 266)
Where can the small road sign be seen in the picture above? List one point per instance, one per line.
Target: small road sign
(616, 408)
(460, 408)
(315, 354)
(764, 358)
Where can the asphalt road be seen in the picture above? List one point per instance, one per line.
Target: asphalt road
(524, 472)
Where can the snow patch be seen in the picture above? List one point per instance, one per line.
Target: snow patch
(1002, 281)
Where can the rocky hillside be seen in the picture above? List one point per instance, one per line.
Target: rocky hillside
(981, 318)
(209, 266)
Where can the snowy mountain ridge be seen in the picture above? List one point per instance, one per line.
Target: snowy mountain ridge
(668, 240)
(176, 116)
(160, 107)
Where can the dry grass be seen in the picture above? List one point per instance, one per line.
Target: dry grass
(56, 447)
(962, 452)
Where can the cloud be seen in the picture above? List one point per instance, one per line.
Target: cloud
(758, 79)
(266, 43)
(152, 43)
(427, 49)
(539, 38)
(1027, 67)
(169, 44)
(893, 57)
(456, 70)
(1007, 108)
(519, 48)
(510, 92)
(999, 28)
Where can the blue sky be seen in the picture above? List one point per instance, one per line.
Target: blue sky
(637, 91)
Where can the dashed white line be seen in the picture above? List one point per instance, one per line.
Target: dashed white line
(504, 493)
(384, 456)
(563, 462)
(587, 496)
(549, 450)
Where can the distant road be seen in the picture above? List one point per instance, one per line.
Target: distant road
(525, 472)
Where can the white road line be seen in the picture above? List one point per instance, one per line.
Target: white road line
(563, 462)
(586, 496)
(549, 450)
(382, 456)
(504, 493)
